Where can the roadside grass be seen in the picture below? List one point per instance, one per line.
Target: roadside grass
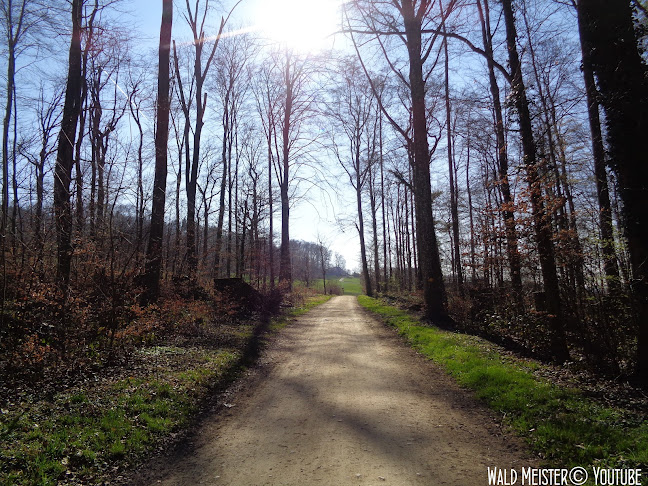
(104, 426)
(560, 424)
(77, 433)
(279, 322)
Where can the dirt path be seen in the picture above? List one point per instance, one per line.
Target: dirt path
(340, 401)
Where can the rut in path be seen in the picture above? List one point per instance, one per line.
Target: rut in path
(339, 401)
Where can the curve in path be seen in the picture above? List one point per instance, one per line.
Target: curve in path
(344, 402)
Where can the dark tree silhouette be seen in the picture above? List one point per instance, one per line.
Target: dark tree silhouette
(608, 34)
(154, 250)
(65, 155)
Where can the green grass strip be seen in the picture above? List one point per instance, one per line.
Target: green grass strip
(287, 316)
(560, 424)
(77, 434)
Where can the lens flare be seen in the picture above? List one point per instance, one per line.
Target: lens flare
(305, 25)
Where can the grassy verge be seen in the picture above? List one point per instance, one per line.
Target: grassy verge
(282, 321)
(77, 434)
(560, 424)
(109, 423)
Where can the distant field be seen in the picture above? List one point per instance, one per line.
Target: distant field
(351, 286)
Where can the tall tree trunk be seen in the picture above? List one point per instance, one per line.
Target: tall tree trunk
(192, 174)
(40, 191)
(65, 154)
(473, 264)
(223, 185)
(200, 75)
(428, 255)
(78, 179)
(178, 183)
(240, 260)
(374, 222)
(454, 212)
(139, 197)
(11, 75)
(98, 159)
(16, 217)
(271, 215)
(542, 227)
(610, 265)
(285, 271)
(205, 242)
(608, 32)
(154, 251)
(357, 184)
(382, 204)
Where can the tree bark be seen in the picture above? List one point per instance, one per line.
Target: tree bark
(154, 251)
(360, 226)
(285, 270)
(65, 154)
(428, 255)
(382, 204)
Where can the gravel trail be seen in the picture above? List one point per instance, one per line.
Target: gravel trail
(337, 399)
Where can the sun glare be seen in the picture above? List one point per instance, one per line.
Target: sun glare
(305, 25)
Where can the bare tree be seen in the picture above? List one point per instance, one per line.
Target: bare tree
(156, 234)
(49, 116)
(65, 154)
(267, 94)
(407, 20)
(196, 18)
(135, 101)
(285, 101)
(231, 86)
(324, 254)
(353, 111)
